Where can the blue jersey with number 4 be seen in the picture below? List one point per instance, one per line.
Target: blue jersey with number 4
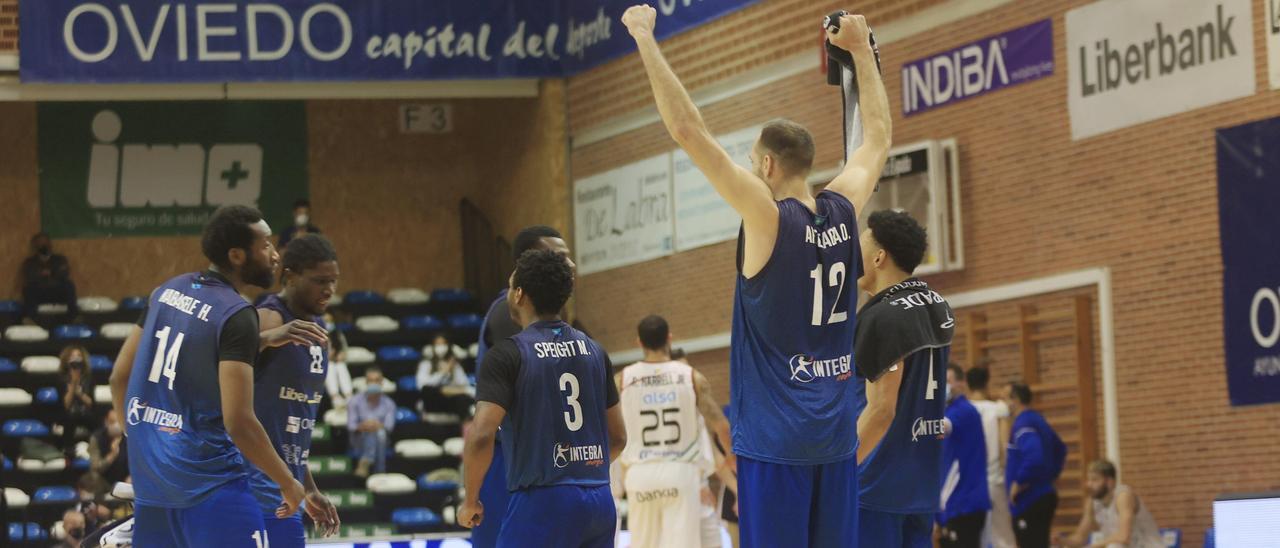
(556, 431)
(287, 389)
(179, 451)
(792, 341)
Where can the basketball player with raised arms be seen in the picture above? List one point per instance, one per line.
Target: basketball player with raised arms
(183, 381)
(289, 380)
(551, 388)
(792, 393)
(667, 455)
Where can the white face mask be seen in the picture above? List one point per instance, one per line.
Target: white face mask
(301, 219)
(441, 350)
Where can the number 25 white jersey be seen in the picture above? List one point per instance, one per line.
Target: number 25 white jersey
(660, 408)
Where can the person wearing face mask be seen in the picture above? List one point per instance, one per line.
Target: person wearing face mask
(443, 384)
(73, 523)
(46, 279)
(76, 396)
(108, 454)
(301, 224)
(965, 501)
(370, 418)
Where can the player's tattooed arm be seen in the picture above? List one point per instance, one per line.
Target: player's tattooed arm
(746, 193)
(857, 181)
(714, 417)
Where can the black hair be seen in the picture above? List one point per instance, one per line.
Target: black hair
(1104, 468)
(227, 229)
(546, 278)
(39, 235)
(307, 251)
(900, 236)
(654, 332)
(959, 373)
(678, 354)
(529, 237)
(1021, 392)
(977, 377)
(302, 202)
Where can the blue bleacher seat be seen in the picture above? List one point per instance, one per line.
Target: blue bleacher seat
(7, 365)
(363, 296)
(398, 353)
(422, 323)
(72, 332)
(404, 415)
(80, 464)
(344, 327)
(424, 485)
(27, 531)
(10, 307)
(466, 321)
(19, 428)
(58, 494)
(410, 520)
(8, 464)
(1172, 537)
(98, 362)
(1210, 539)
(47, 395)
(133, 303)
(407, 383)
(450, 295)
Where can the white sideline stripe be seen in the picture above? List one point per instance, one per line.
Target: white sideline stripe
(924, 21)
(1099, 276)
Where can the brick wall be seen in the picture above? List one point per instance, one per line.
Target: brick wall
(389, 201)
(1140, 201)
(8, 26)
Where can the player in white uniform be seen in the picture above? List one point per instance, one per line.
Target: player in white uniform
(665, 462)
(995, 429)
(1115, 513)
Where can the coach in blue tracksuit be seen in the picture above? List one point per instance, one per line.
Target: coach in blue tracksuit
(1035, 460)
(965, 499)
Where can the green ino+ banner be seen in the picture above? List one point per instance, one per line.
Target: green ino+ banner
(161, 168)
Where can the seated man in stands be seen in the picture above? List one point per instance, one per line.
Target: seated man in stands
(370, 418)
(46, 279)
(1115, 512)
(73, 523)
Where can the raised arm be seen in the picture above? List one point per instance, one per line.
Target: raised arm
(746, 193)
(858, 178)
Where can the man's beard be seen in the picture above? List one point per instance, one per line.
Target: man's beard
(258, 275)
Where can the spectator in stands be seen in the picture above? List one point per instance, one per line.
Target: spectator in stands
(108, 454)
(301, 223)
(76, 395)
(370, 418)
(46, 279)
(1115, 512)
(443, 384)
(337, 381)
(1035, 460)
(73, 523)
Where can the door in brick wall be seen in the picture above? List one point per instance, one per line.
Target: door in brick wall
(1046, 341)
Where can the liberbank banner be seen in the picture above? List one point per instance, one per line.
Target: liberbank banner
(1133, 61)
(305, 40)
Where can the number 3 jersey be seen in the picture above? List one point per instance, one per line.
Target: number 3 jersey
(287, 387)
(660, 408)
(179, 450)
(790, 358)
(555, 384)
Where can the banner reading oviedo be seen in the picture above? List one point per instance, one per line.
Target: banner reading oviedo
(300, 40)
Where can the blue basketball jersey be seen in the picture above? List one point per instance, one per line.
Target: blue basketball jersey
(179, 451)
(903, 474)
(792, 340)
(287, 389)
(556, 431)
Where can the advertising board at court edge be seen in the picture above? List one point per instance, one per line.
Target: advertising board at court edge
(305, 40)
(1134, 61)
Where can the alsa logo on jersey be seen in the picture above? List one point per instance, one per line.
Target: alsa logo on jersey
(590, 455)
(139, 412)
(289, 394)
(562, 349)
(294, 425)
(926, 427)
(804, 369)
(830, 237)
